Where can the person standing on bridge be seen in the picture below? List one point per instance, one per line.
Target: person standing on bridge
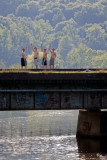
(53, 56)
(23, 59)
(36, 56)
(44, 61)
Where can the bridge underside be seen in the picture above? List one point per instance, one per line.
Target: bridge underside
(43, 100)
(56, 90)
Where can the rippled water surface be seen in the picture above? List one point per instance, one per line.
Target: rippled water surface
(45, 135)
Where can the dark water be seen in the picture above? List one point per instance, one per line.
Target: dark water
(45, 135)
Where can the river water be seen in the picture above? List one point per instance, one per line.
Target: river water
(45, 135)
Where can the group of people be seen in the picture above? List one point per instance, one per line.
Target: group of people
(36, 57)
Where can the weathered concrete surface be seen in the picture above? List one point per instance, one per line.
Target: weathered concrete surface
(52, 75)
(52, 89)
(92, 124)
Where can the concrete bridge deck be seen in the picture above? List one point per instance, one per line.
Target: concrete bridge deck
(53, 89)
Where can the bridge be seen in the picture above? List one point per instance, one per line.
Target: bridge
(85, 90)
(53, 89)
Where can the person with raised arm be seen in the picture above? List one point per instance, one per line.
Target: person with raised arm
(44, 60)
(23, 59)
(53, 56)
(36, 56)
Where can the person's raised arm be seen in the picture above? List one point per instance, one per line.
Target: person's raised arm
(41, 47)
(26, 48)
(32, 47)
(50, 49)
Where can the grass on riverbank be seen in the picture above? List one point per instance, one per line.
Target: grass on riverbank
(52, 71)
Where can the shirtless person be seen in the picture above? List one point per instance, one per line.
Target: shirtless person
(44, 61)
(53, 56)
(23, 59)
(36, 55)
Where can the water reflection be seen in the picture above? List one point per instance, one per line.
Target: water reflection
(45, 135)
(38, 123)
(46, 147)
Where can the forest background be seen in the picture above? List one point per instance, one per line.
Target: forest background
(77, 29)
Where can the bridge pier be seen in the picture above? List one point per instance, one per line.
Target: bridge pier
(92, 124)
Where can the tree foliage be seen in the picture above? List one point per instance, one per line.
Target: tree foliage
(76, 29)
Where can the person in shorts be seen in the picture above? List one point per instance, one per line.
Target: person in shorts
(53, 56)
(36, 56)
(23, 59)
(44, 60)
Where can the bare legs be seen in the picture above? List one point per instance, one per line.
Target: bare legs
(36, 66)
(45, 66)
(52, 65)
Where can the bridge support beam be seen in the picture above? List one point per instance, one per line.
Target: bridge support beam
(92, 124)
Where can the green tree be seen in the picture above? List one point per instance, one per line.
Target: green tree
(80, 57)
(64, 46)
(15, 66)
(43, 33)
(96, 37)
(100, 61)
(59, 61)
(2, 64)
